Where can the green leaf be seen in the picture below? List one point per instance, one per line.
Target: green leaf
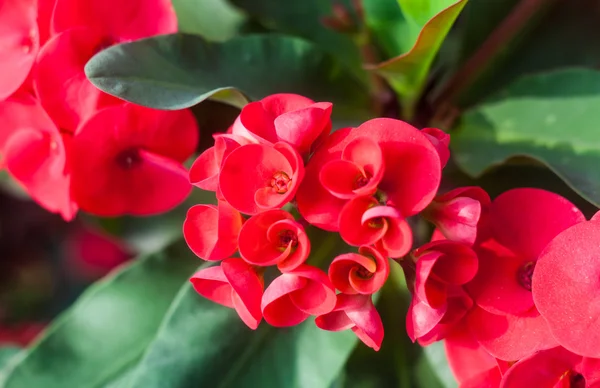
(178, 71)
(433, 368)
(204, 344)
(6, 354)
(216, 20)
(551, 117)
(304, 19)
(419, 30)
(107, 329)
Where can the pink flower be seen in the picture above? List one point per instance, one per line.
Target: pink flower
(364, 222)
(212, 232)
(273, 237)
(441, 142)
(362, 273)
(357, 313)
(410, 179)
(128, 159)
(204, 173)
(294, 296)
(555, 367)
(523, 222)
(289, 118)
(457, 213)
(258, 177)
(566, 288)
(19, 43)
(234, 284)
(35, 154)
(82, 29)
(358, 171)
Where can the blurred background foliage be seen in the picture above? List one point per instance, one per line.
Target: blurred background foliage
(515, 82)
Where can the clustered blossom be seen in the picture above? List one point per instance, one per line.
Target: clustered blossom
(510, 284)
(282, 179)
(69, 145)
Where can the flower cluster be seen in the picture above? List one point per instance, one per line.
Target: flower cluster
(517, 307)
(70, 145)
(281, 176)
(511, 285)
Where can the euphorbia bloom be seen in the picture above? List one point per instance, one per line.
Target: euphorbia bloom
(234, 284)
(457, 213)
(522, 222)
(258, 177)
(357, 172)
(273, 237)
(21, 334)
(566, 288)
(289, 118)
(551, 368)
(469, 361)
(441, 265)
(441, 142)
(84, 28)
(364, 272)
(357, 313)
(410, 180)
(293, 296)
(363, 221)
(211, 231)
(35, 155)
(19, 43)
(204, 173)
(134, 155)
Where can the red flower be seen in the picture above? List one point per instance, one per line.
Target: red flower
(441, 142)
(409, 182)
(234, 284)
(289, 118)
(212, 232)
(293, 296)
(19, 42)
(523, 222)
(510, 337)
(566, 288)
(128, 159)
(258, 177)
(468, 361)
(358, 172)
(429, 324)
(555, 367)
(273, 237)
(204, 173)
(441, 265)
(83, 29)
(363, 222)
(355, 312)
(457, 213)
(35, 154)
(362, 273)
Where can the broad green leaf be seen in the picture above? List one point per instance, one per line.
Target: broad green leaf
(551, 117)
(216, 20)
(177, 71)
(6, 354)
(305, 19)
(419, 29)
(202, 344)
(107, 329)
